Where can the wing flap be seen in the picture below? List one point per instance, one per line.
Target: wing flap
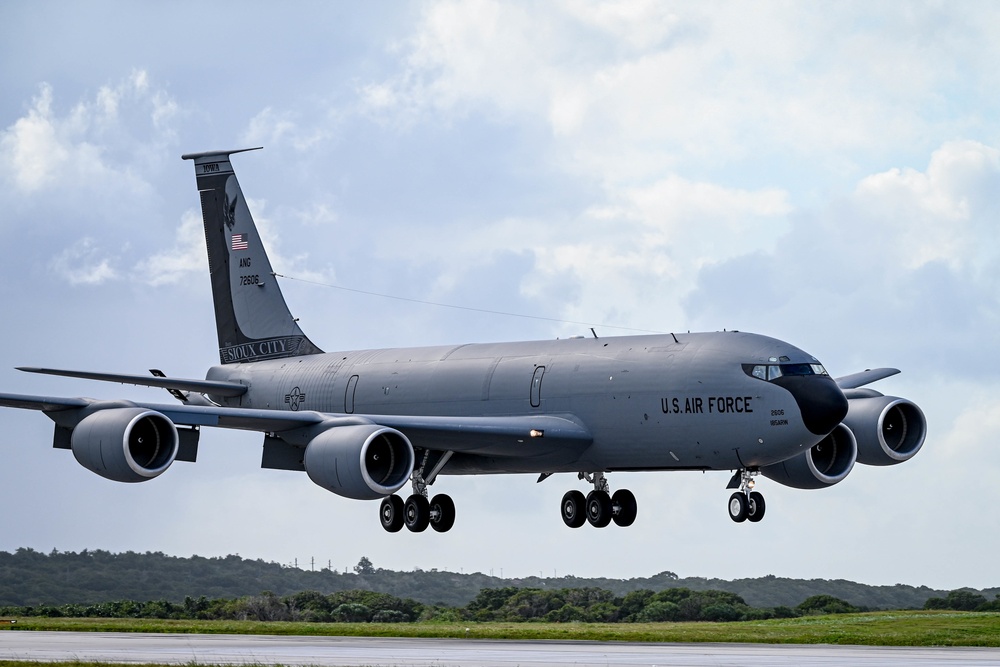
(495, 436)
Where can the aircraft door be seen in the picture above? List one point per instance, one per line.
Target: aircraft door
(352, 384)
(536, 386)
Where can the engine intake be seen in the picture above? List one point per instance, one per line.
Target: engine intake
(360, 461)
(125, 444)
(889, 430)
(827, 462)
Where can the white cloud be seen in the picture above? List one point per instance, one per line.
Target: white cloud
(84, 263)
(631, 86)
(907, 264)
(942, 214)
(184, 261)
(31, 149)
(91, 145)
(278, 128)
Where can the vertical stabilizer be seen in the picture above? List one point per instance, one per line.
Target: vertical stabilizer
(251, 315)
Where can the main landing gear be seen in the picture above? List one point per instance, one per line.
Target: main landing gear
(417, 512)
(746, 504)
(598, 507)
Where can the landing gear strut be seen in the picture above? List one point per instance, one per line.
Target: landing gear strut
(598, 507)
(745, 504)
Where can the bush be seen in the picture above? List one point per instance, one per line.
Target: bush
(825, 604)
(659, 611)
(351, 612)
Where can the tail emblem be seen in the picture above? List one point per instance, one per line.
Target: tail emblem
(230, 211)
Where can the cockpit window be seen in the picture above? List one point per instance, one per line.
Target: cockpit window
(774, 371)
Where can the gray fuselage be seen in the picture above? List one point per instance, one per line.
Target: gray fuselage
(650, 402)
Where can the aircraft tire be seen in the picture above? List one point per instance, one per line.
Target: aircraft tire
(599, 510)
(391, 513)
(443, 509)
(573, 512)
(416, 513)
(738, 507)
(755, 507)
(624, 500)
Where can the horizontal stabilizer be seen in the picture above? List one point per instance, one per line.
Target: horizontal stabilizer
(227, 389)
(855, 380)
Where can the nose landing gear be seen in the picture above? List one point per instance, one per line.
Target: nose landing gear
(745, 504)
(598, 507)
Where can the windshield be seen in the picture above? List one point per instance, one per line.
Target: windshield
(773, 371)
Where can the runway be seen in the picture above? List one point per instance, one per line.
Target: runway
(382, 652)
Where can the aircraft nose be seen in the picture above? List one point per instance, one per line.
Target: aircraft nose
(821, 402)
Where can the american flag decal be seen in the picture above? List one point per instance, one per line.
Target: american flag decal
(240, 242)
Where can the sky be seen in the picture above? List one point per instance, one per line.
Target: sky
(823, 173)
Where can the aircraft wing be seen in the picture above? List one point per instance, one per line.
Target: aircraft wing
(496, 436)
(855, 380)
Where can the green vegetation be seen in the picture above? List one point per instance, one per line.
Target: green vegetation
(912, 628)
(29, 577)
(69, 591)
(964, 599)
(501, 605)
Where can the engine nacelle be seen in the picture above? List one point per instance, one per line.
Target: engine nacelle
(889, 430)
(360, 461)
(826, 463)
(125, 444)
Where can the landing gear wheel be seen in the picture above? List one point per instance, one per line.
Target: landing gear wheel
(391, 513)
(599, 508)
(624, 507)
(573, 512)
(738, 507)
(416, 513)
(442, 513)
(755, 507)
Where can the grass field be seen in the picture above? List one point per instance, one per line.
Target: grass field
(901, 628)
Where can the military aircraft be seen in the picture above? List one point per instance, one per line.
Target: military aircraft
(363, 423)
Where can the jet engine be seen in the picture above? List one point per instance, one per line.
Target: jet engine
(888, 429)
(360, 461)
(824, 464)
(125, 444)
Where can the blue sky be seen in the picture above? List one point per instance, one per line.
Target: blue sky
(825, 173)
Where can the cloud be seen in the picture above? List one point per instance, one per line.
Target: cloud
(630, 87)
(907, 263)
(279, 128)
(84, 263)
(187, 259)
(89, 145)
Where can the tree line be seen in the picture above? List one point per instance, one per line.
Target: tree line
(33, 578)
(508, 604)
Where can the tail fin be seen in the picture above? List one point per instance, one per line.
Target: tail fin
(251, 315)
